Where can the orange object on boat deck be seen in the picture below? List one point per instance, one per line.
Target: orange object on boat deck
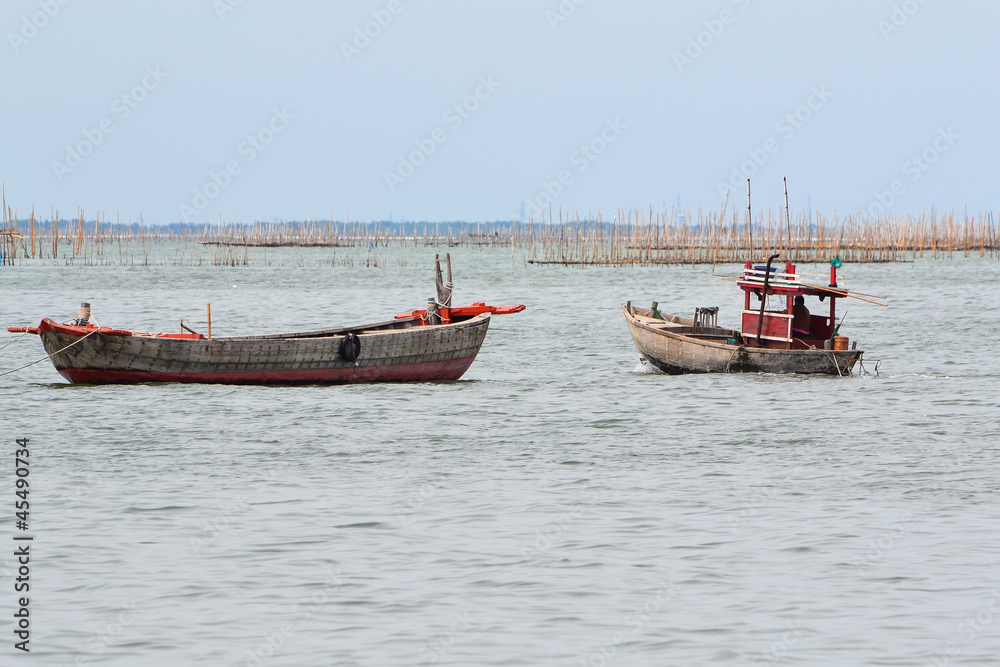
(465, 312)
(840, 342)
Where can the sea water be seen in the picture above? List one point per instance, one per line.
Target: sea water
(560, 505)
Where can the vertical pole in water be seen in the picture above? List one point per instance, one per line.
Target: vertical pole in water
(209, 307)
(749, 221)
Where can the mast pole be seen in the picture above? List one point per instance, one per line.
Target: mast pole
(749, 221)
(788, 217)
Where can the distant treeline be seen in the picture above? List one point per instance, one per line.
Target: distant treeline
(196, 228)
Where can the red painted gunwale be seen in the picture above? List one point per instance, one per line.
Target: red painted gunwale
(439, 371)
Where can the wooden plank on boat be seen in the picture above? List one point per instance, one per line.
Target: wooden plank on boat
(326, 333)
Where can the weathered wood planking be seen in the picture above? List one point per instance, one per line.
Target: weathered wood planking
(390, 352)
(676, 350)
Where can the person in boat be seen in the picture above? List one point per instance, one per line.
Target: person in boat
(800, 317)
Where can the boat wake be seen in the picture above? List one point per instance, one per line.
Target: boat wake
(643, 367)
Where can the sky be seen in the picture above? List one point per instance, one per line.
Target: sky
(192, 110)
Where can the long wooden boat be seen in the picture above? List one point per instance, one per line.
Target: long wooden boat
(767, 341)
(438, 343)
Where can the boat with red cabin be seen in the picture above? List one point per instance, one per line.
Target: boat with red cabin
(437, 343)
(785, 338)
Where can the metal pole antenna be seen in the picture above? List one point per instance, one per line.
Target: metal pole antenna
(788, 218)
(749, 220)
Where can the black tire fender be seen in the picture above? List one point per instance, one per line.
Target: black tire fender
(350, 347)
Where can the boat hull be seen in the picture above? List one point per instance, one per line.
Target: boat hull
(677, 352)
(415, 354)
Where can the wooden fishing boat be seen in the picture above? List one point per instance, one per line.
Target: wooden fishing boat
(437, 343)
(786, 339)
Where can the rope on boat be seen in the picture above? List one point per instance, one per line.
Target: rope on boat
(49, 356)
(735, 352)
(864, 370)
(833, 358)
(15, 340)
